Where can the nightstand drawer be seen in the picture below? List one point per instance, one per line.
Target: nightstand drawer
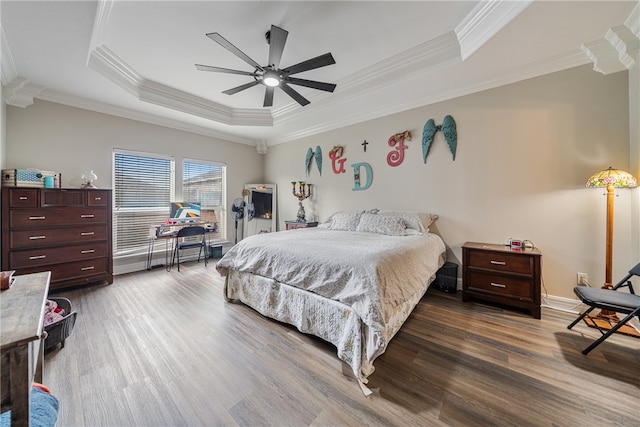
(504, 285)
(512, 263)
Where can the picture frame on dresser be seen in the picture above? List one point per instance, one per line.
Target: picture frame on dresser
(65, 231)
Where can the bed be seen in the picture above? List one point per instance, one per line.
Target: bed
(352, 281)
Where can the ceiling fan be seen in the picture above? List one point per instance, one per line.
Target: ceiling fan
(272, 75)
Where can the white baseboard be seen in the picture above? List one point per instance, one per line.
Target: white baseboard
(568, 305)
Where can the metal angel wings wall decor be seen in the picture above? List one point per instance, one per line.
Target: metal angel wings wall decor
(448, 128)
(310, 155)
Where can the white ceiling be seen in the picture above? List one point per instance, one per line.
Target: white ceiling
(136, 58)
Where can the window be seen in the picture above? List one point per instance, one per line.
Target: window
(143, 191)
(204, 183)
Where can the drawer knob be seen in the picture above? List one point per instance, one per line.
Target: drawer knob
(498, 285)
(38, 257)
(88, 251)
(24, 198)
(37, 217)
(87, 233)
(87, 268)
(37, 237)
(97, 198)
(498, 263)
(87, 216)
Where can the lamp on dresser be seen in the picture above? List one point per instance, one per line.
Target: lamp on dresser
(610, 179)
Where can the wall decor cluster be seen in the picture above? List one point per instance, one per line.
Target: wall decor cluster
(396, 156)
(448, 128)
(336, 158)
(362, 171)
(310, 155)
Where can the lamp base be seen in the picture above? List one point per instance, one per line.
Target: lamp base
(606, 321)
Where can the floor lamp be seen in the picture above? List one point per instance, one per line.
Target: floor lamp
(610, 179)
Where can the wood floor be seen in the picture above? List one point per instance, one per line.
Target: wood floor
(165, 349)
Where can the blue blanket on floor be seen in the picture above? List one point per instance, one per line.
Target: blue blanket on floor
(43, 410)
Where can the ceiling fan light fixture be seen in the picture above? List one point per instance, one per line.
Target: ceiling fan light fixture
(271, 78)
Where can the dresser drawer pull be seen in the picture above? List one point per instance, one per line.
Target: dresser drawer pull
(97, 198)
(37, 217)
(87, 216)
(498, 263)
(23, 198)
(87, 233)
(37, 237)
(498, 285)
(88, 251)
(87, 268)
(38, 257)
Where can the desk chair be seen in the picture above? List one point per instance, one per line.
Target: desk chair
(609, 299)
(181, 245)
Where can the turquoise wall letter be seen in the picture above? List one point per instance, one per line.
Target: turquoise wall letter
(356, 176)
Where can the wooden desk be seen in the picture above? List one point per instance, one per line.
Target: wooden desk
(167, 232)
(21, 333)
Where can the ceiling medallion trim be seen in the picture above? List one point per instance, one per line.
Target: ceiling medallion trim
(485, 20)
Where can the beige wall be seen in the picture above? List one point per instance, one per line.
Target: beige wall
(524, 153)
(69, 140)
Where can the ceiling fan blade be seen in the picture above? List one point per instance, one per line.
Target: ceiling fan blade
(327, 87)
(224, 70)
(295, 95)
(231, 48)
(240, 88)
(310, 64)
(268, 97)
(277, 39)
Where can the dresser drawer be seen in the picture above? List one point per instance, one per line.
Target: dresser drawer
(507, 262)
(97, 198)
(73, 270)
(35, 257)
(34, 238)
(23, 198)
(24, 218)
(499, 284)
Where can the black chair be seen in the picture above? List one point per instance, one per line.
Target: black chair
(612, 300)
(182, 244)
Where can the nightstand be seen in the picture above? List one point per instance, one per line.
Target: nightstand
(499, 274)
(291, 225)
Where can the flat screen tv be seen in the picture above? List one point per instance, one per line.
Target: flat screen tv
(262, 204)
(183, 211)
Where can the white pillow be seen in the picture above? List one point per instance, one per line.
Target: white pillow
(418, 221)
(382, 224)
(347, 221)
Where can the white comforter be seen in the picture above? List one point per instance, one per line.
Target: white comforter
(373, 273)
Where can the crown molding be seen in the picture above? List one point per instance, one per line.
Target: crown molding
(485, 20)
(8, 67)
(619, 49)
(432, 55)
(112, 110)
(531, 70)
(20, 93)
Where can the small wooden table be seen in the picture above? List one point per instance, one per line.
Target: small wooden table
(21, 333)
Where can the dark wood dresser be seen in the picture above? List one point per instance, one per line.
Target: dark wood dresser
(65, 231)
(499, 274)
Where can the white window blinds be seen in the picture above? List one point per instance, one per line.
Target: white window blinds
(143, 191)
(204, 182)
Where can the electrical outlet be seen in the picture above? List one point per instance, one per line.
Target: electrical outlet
(583, 279)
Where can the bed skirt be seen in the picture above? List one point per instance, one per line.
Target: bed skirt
(327, 319)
